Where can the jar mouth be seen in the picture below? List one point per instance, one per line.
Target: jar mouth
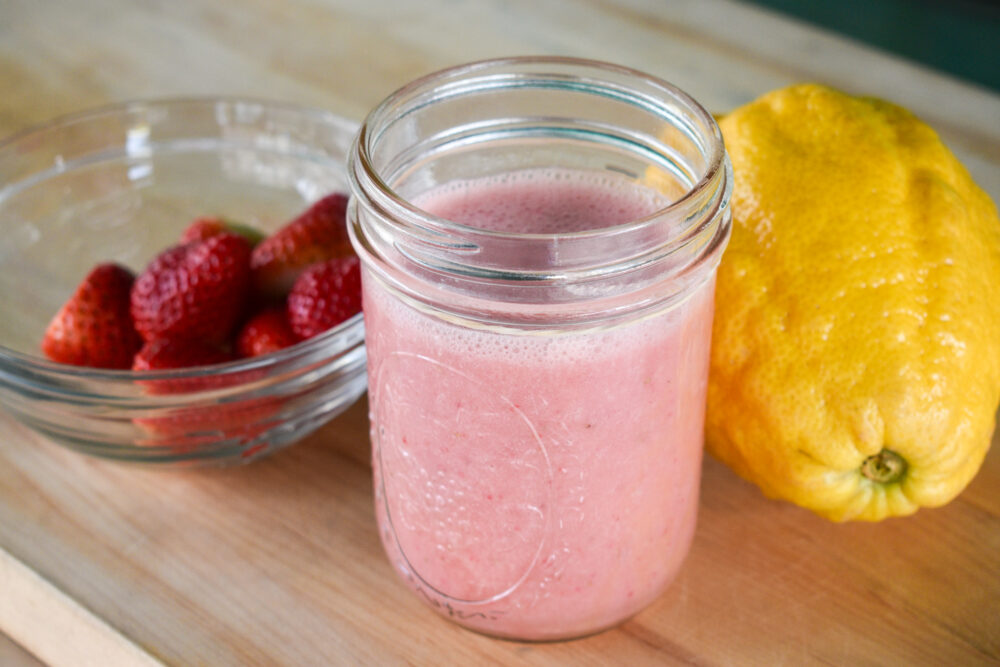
(476, 76)
(497, 118)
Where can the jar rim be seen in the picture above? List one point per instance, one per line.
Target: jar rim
(389, 199)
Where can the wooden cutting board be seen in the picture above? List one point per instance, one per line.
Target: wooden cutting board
(279, 562)
(13, 655)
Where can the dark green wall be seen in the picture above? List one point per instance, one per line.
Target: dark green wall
(961, 37)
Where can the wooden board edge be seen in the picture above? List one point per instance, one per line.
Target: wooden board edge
(54, 627)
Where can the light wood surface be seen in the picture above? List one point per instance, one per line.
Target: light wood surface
(279, 562)
(13, 655)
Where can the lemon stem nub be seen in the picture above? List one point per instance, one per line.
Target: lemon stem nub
(886, 467)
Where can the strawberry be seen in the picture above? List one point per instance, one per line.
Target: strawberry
(209, 226)
(165, 353)
(94, 327)
(267, 331)
(190, 426)
(184, 427)
(324, 296)
(318, 234)
(197, 290)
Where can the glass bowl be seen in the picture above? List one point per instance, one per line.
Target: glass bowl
(120, 184)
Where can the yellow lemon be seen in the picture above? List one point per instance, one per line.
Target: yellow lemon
(856, 355)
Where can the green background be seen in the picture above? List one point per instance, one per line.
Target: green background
(960, 37)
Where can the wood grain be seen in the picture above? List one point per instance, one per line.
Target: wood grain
(279, 562)
(75, 636)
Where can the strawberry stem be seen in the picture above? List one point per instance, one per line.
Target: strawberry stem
(251, 234)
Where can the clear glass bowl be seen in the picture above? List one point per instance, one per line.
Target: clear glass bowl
(120, 184)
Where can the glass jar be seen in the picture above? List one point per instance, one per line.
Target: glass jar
(539, 239)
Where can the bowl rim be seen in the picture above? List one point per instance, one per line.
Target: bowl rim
(37, 363)
(138, 103)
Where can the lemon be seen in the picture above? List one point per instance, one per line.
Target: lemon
(855, 365)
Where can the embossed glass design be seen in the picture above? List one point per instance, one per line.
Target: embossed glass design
(537, 396)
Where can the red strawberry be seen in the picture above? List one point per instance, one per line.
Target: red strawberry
(267, 331)
(164, 353)
(94, 328)
(183, 427)
(324, 296)
(207, 227)
(187, 429)
(196, 290)
(190, 426)
(318, 234)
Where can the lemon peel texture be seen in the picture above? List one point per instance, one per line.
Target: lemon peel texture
(855, 363)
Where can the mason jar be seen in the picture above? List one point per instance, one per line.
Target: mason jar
(539, 239)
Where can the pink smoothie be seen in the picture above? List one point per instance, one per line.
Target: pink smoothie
(537, 486)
